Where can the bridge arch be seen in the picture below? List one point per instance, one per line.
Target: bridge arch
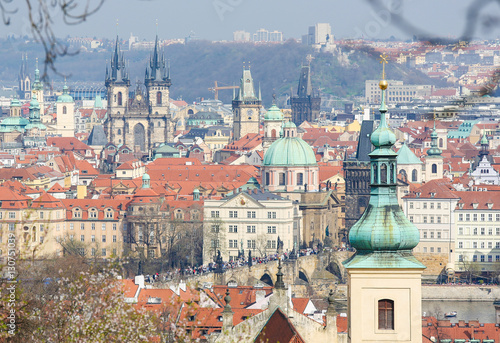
(335, 269)
(303, 275)
(266, 278)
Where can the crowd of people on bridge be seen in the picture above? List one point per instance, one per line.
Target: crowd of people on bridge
(235, 263)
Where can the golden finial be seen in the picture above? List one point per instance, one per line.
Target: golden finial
(383, 83)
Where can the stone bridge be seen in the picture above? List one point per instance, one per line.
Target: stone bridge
(314, 273)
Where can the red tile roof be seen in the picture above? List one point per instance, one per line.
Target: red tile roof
(471, 200)
(46, 201)
(436, 189)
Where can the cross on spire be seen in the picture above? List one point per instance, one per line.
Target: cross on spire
(383, 61)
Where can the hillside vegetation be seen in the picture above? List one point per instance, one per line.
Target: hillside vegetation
(195, 67)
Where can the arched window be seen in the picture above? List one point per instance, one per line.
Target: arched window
(434, 168)
(27, 88)
(273, 133)
(268, 179)
(375, 176)
(119, 131)
(392, 173)
(120, 98)
(300, 179)
(383, 173)
(414, 175)
(440, 142)
(386, 314)
(190, 112)
(65, 110)
(158, 98)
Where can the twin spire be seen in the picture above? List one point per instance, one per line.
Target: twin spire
(158, 70)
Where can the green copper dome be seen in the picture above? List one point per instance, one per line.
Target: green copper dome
(383, 136)
(273, 113)
(290, 151)
(383, 237)
(15, 103)
(65, 97)
(34, 104)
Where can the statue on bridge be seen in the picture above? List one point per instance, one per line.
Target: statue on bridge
(219, 263)
(249, 258)
(279, 245)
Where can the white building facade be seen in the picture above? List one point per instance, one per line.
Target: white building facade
(249, 220)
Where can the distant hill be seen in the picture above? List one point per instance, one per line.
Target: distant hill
(195, 67)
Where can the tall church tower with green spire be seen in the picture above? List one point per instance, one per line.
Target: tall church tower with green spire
(433, 160)
(246, 107)
(384, 278)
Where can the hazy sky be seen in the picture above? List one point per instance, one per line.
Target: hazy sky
(217, 19)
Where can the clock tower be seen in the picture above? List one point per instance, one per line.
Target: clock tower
(246, 108)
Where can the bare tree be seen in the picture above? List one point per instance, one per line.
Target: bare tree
(42, 16)
(214, 236)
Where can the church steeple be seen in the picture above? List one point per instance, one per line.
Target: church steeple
(118, 72)
(384, 278)
(157, 69)
(434, 151)
(383, 233)
(484, 147)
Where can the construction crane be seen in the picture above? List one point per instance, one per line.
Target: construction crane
(216, 89)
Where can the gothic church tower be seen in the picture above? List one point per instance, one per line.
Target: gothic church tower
(246, 108)
(141, 121)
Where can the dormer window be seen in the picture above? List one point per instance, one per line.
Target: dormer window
(490, 205)
(460, 205)
(474, 205)
(433, 195)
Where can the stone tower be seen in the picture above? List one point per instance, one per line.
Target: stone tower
(157, 81)
(142, 121)
(384, 278)
(306, 105)
(117, 85)
(246, 108)
(357, 178)
(24, 80)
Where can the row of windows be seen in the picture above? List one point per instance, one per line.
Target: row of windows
(250, 228)
(92, 226)
(93, 238)
(426, 205)
(250, 214)
(41, 215)
(478, 245)
(431, 234)
(481, 217)
(427, 220)
(478, 231)
(432, 249)
(77, 213)
(482, 258)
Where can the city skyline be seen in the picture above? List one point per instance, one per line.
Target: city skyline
(218, 19)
